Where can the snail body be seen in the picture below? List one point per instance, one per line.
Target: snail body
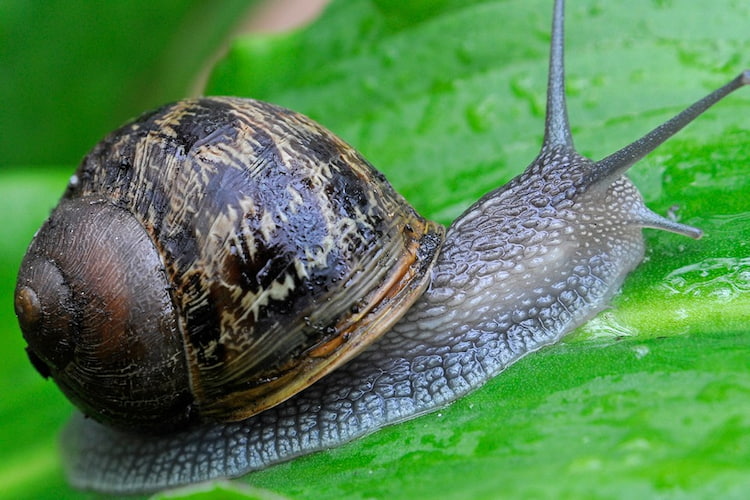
(516, 271)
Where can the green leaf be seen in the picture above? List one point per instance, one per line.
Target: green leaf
(652, 397)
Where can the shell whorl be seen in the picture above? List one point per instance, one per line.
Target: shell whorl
(286, 251)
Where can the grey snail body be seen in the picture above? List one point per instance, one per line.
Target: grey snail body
(519, 269)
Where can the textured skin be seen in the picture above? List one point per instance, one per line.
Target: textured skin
(541, 255)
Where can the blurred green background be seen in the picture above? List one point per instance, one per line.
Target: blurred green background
(73, 70)
(446, 97)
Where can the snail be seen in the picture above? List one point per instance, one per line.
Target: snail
(226, 285)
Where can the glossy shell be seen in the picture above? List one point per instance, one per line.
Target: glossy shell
(284, 251)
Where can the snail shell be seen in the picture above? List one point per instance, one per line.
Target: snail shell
(519, 269)
(213, 258)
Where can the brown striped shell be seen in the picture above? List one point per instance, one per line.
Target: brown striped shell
(211, 259)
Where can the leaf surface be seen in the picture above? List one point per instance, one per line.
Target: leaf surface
(652, 397)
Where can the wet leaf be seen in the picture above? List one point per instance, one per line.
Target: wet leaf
(652, 397)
